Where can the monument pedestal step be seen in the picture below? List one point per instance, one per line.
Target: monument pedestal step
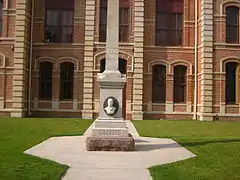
(109, 143)
(110, 123)
(113, 132)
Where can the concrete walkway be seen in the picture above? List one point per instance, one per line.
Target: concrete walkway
(86, 165)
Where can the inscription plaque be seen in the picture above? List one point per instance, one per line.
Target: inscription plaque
(109, 133)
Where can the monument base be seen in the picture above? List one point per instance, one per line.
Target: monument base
(116, 128)
(110, 143)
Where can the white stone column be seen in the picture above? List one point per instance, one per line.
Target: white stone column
(20, 76)
(137, 113)
(87, 111)
(112, 35)
(206, 58)
(1, 103)
(222, 109)
(110, 131)
(111, 81)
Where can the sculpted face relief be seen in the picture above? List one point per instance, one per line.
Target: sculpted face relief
(110, 109)
(111, 106)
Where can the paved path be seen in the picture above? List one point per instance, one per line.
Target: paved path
(86, 165)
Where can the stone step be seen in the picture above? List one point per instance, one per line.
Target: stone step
(110, 124)
(107, 174)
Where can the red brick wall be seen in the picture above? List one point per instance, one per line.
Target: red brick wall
(59, 52)
(152, 55)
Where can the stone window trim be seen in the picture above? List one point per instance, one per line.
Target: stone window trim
(56, 62)
(123, 55)
(45, 59)
(173, 26)
(102, 34)
(226, 60)
(223, 64)
(62, 29)
(67, 81)
(151, 64)
(159, 62)
(223, 7)
(45, 90)
(56, 69)
(189, 77)
(2, 60)
(170, 73)
(226, 4)
(182, 63)
(68, 59)
(232, 25)
(159, 83)
(1, 16)
(170, 65)
(122, 65)
(180, 71)
(232, 90)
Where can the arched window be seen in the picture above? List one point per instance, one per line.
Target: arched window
(2, 59)
(45, 83)
(59, 21)
(231, 80)
(102, 65)
(159, 84)
(66, 80)
(122, 65)
(169, 22)
(179, 84)
(1, 14)
(124, 20)
(232, 24)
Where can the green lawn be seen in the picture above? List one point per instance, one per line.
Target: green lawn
(216, 144)
(17, 135)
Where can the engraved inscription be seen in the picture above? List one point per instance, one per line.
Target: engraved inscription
(109, 133)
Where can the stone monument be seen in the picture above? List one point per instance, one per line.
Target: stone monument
(110, 132)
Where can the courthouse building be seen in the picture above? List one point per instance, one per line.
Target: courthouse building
(181, 58)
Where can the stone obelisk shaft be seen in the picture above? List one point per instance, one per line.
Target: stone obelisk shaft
(110, 132)
(112, 35)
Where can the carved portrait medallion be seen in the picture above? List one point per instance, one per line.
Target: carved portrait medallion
(111, 106)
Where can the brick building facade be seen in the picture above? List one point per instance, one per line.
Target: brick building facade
(179, 63)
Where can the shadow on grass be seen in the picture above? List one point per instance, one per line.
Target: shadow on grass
(202, 143)
(63, 135)
(151, 147)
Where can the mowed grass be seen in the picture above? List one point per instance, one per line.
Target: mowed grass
(216, 144)
(17, 135)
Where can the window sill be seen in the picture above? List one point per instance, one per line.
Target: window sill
(2, 38)
(232, 105)
(158, 103)
(228, 44)
(168, 47)
(59, 43)
(66, 100)
(120, 43)
(180, 104)
(161, 46)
